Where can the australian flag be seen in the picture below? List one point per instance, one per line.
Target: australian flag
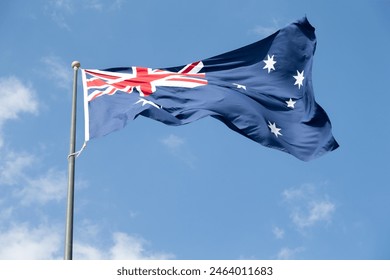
(263, 91)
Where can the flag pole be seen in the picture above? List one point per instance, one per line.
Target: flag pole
(71, 168)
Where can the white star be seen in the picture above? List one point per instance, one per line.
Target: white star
(299, 79)
(144, 102)
(269, 63)
(291, 103)
(240, 86)
(274, 129)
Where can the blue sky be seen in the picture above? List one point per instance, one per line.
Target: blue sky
(198, 191)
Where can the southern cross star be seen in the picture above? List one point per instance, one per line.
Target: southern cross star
(144, 102)
(275, 130)
(299, 79)
(240, 86)
(291, 103)
(269, 63)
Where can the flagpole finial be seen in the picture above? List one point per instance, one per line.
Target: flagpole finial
(75, 64)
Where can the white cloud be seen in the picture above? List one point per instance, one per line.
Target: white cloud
(13, 166)
(124, 247)
(58, 10)
(266, 30)
(65, 5)
(59, 71)
(15, 98)
(177, 147)
(87, 252)
(117, 4)
(132, 248)
(94, 5)
(289, 254)
(308, 206)
(88, 230)
(278, 232)
(316, 211)
(24, 242)
(299, 193)
(173, 142)
(99, 5)
(61, 11)
(48, 187)
(18, 239)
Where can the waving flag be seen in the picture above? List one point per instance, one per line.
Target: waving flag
(262, 91)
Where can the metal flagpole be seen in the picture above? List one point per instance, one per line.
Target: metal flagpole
(71, 168)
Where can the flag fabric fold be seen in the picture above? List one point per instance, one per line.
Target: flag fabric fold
(263, 91)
